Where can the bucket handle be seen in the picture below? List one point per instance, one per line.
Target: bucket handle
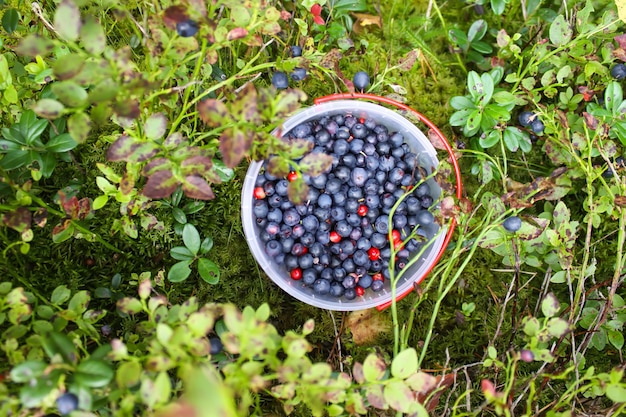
(444, 141)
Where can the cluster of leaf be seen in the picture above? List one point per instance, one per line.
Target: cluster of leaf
(241, 117)
(551, 78)
(52, 347)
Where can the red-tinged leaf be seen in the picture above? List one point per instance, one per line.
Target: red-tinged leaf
(156, 126)
(278, 166)
(271, 28)
(316, 163)
(143, 151)
(488, 389)
(122, 148)
(297, 191)
(127, 183)
(237, 33)
(233, 145)
(40, 218)
(196, 187)
(288, 102)
(285, 15)
(128, 108)
(173, 140)
(318, 20)
(299, 147)
(357, 373)
(439, 385)
(19, 219)
(84, 208)
(246, 104)
(407, 62)
(160, 185)
(331, 58)
(621, 40)
(70, 206)
(590, 121)
(157, 164)
(213, 112)
(196, 165)
(173, 15)
(213, 175)
(376, 397)
(62, 231)
(198, 6)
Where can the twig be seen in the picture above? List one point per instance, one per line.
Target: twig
(37, 10)
(337, 340)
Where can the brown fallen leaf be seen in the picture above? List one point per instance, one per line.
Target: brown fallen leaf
(364, 21)
(366, 325)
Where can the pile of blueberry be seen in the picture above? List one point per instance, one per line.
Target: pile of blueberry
(337, 243)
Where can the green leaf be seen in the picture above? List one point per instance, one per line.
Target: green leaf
(616, 393)
(79, 302)
(613, 97)
(68, 66)
(373, 368)
(193, 207)
(156, 126)
(67, 20)
(234, 145)
(398, 395)
(206, 246)
(94, 373)
(473, 123)
(560, 31)
(474, 85)
(208, 270)
(404, 364)
(157, 391)
(550, 305)
(477, 30)
(181, 253)
(48, 108)
(59, 344)
(490, 139)
(179, 215)
(31, 396)
(28, 370)
(15, 159)
(191, 238)
(92, 36)
(487, 88)
(511, 140)
(10, 20)
(61, 143)
(557, 327)
(129, 305)
(128, 374)
(461, 102)
(180, 271)
(315, 163)
(69, 93)
(616, 338)
(60, 295)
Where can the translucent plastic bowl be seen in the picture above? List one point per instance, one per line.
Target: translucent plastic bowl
(418, 143)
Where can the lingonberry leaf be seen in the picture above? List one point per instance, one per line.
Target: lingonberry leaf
(196, 187)
(208, 270)
(10, 20)
(315, 163)
(161, 184)
(213, 112)
(234, 144)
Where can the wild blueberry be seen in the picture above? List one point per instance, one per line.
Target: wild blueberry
(378, 240)
(215, 345)
(67, 403)
(426, 201)
(187, 28)
(512, 224)
(424, 217)
(310, 223)
(336, 289)
(365, 281)
(525, 118)
(298, 74)
(309, 276)
(305, 261)
(280, 80)
(349, 294)
(348, 281)
(618, 71)
(342, 228)
(537, 126)
(260, 209)
(273, 248)
(377, 286)
(296, 51)
(275, 215)
(361, 80)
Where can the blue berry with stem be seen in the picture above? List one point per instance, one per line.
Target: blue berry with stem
(361, 80)
(187, 28)
(280, 80)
